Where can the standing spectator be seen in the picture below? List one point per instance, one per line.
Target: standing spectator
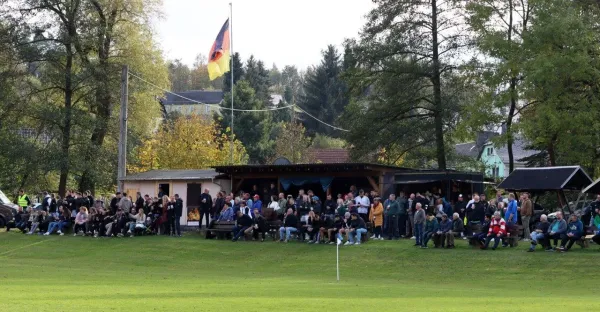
(282, 202)
(419, 223)
(125, 203)
(330, 206)
(254, 191)
(46, 201)
(178, 213)
(206, 204)
(273, 190)
(496, 231)
(23, 200)
(410, 221)
(511, 211)
(353, 191)
(539, 235)
(114, 203)
(376, 217)
(431, 227)
(266, 194)
(217, 205)
(574, 233)
(526, 214)
(402, 214)
(139, 202)
(257, 204)
(170, 224)
(391, 217)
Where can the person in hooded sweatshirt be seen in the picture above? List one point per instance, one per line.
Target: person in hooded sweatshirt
(439, 238)
(573, 234)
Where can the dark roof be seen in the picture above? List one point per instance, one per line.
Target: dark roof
(546, 179)
(519, 151)
(330, 155)
(467, 149)
(153, 175)
(473, 149)
(203, 96)
(427, 176)
(312, 168)
(593, 188)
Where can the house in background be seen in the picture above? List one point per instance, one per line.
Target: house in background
(493, 157)
(186, 103)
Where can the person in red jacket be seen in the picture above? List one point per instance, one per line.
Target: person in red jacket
(496, 231)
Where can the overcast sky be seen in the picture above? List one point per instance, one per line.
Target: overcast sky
(285, 32)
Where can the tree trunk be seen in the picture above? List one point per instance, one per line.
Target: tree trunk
(66, 129)
(437, 91)
(513, 99)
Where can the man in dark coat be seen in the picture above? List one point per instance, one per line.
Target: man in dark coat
(178, 207)
(206, 204)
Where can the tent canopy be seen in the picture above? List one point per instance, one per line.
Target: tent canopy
(593, 188)
(546, 179)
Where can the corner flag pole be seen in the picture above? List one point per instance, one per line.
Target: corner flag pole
(231, 71)
(337, 248)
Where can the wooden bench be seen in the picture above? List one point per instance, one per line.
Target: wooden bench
(584, 241)
(476, 229)
(221, 229)
(513, 235)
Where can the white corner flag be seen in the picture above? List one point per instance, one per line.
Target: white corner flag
(337, 248)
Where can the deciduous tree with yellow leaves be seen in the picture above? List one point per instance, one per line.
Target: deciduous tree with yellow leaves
(189, 142)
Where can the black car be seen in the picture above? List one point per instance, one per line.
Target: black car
(6, 214)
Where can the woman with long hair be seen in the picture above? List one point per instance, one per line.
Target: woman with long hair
(80, 220)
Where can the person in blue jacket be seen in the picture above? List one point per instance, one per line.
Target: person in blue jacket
(511, 212)
(574, 233)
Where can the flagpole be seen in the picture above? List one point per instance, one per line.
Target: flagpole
(231, 71)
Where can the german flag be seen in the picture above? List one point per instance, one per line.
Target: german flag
(218, 58)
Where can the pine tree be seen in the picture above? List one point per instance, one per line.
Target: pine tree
(238, 73)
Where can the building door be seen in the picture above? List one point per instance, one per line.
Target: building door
(165, 188)
(194, 190)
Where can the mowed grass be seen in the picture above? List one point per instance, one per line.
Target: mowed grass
(193, 274)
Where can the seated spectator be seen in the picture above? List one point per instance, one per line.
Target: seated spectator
(573, 234)
(358, 227)
(314, 229)
(485, 226)
(98, 222)
(326, 223)
(45, 223)
(80, 220)
(306, 225)
(118, 224)
(40, 217)
(496, 231)
(226, 215)
(33, 217)
(538, 236)
(243, 222)
(138, 222)
(89, 224)
(245, 209)
(345, 227)
(63, 221)
(259, 226)
(557, 229)
(19, 220)
(439, 238)
(596, 237)
(290, 225)
(337, 225)
(431, 227)
(456, 229)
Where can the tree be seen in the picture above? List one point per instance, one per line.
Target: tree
(406, 52)
(292, 81)
(251, 128)
(238, 73)
(292, 143)
(562, 78)
(191, 142)
(500, 26)
(258, 78)
(324, 93)
(323, 141)
(276, 79)
(199, 76)
(180, 76)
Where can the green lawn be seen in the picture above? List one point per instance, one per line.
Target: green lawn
(194, 274)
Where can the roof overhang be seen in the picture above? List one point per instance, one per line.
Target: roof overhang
(546, 179)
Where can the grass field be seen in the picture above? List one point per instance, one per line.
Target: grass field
(194, 274)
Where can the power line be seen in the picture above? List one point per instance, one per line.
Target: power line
(319, 120)
(235, 109)
(215, 105)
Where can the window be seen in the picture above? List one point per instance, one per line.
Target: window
(490, 151)
(497, 172)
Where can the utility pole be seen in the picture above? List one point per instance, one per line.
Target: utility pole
(122, 171)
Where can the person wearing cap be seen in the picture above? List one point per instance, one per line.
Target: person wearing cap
(257, 204)
(358, 227)
(376, 218)
(431, 227)
(439, 238)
